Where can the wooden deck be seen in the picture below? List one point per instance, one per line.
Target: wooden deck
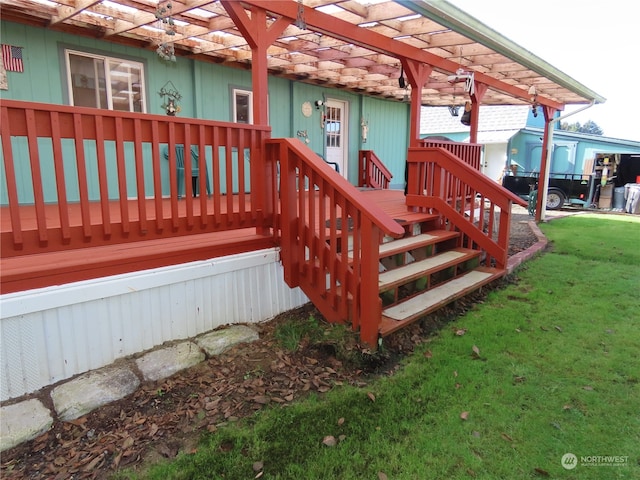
(392, 202)
(98, 258)
(162, 211)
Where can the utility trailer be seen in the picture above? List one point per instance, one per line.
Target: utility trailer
(583, 190)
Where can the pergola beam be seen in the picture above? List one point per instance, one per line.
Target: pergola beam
(365, 38)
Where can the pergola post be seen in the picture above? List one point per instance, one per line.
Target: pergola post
(479, 89)
(418, 75)
(259, 36)
(545, 162)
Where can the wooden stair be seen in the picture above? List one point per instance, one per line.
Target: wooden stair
(424, 271)
(430, 266)
(401, 314)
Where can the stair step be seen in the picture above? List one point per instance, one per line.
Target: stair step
(399, 315)
(407, 218)
(421, 268)
(409, 243)
(406, 244)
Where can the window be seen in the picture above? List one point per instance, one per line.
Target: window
(242, 106)
(333, 125)
(105, 82)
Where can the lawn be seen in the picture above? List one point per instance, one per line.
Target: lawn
(544, 367)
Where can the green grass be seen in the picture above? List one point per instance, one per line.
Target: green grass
(297, 332)
(557, 372)
(292, 333)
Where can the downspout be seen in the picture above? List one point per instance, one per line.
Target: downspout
(542, 190)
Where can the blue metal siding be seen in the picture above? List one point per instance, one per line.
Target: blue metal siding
(526, 149)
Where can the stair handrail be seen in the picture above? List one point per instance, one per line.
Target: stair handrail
(438, 180)
(317, 206)
(372, 172)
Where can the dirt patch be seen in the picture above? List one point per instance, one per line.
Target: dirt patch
(521, 236)
(166, 417)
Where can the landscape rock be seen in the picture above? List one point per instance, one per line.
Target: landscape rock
(87, 392)
(217, 342)
(164, 362)
(23, 421)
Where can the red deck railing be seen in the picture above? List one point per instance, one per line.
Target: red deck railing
(329, 236)
(372, 173)
(471, 203)
(117, 160)
(80, 177)
(469, 153)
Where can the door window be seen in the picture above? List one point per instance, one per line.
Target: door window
(333, 125)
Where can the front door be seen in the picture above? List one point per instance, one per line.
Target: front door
(336, 128)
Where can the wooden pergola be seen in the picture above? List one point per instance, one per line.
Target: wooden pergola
(364, 46)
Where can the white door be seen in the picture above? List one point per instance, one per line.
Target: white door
(336, 128)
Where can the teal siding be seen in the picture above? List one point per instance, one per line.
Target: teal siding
(388, 134)
(280, 107)
(40, 82)
(206, 93)
(301, 93)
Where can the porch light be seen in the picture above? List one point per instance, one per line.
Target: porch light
(401, 80)
(534, 100)
(405, 98)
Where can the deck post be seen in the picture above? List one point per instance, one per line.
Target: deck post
(370, 308)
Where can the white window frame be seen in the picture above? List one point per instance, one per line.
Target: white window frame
(237, 92)
(107, 73)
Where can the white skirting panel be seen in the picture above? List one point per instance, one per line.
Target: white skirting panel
(54, 333)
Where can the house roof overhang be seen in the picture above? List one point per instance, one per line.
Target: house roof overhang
(356, 45)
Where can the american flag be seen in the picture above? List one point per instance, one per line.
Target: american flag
(12, 58)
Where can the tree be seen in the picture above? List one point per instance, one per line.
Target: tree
(589, 127)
